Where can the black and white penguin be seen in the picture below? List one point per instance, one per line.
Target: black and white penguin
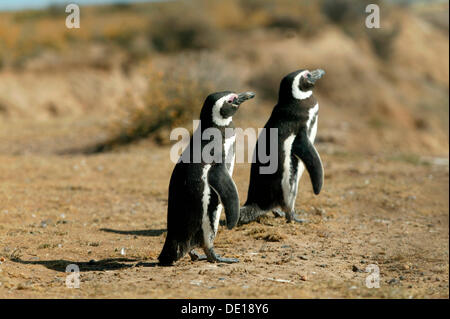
(199, 189)
(295, 116)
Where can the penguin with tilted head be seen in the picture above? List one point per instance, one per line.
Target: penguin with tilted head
(200, 188)
(295, 116)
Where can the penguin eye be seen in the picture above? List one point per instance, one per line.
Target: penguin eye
(231, 100)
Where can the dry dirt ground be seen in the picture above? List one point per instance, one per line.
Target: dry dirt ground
(106, 213)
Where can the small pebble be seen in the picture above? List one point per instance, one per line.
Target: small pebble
(303, 257)
(393, 281)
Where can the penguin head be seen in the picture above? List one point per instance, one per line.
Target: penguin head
(221, 106)
(298, 85)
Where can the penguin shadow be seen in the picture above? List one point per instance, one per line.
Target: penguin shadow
(145, 232)
(99, 265)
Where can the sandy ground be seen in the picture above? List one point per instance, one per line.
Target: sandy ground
(106, 213)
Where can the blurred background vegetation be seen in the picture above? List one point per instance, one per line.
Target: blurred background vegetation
(142, 69)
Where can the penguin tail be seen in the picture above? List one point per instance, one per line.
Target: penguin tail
(171, 252)
(249, 213)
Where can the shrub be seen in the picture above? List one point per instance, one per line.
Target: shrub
(341, 11)
(267, 81)
(53, 11)
(382, 41)
(336, 10)
(285, 22)
(176, 30)
(174, 97)
(349, 15)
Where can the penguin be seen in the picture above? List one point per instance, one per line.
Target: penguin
(198, 190)
(295, 116)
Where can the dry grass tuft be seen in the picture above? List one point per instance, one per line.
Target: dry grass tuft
(174, 97)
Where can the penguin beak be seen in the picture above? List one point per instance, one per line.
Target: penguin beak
(314, 76)
(242, 97)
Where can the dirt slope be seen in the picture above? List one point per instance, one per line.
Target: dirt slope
(59, 210)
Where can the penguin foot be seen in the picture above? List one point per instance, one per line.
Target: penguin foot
(292, 217)
(196, 256)
(278, 213)
(212, 257)
(227, 260)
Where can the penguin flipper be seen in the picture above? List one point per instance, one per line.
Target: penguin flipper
(223, 185)
(307, 153)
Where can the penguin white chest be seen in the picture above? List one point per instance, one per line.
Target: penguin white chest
(229, 162)
(312, 120)
(287, 170)
(289, 183)
(230, 153)
(209, 231)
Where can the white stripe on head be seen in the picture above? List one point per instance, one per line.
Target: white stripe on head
(216, 116)
(296, 92)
